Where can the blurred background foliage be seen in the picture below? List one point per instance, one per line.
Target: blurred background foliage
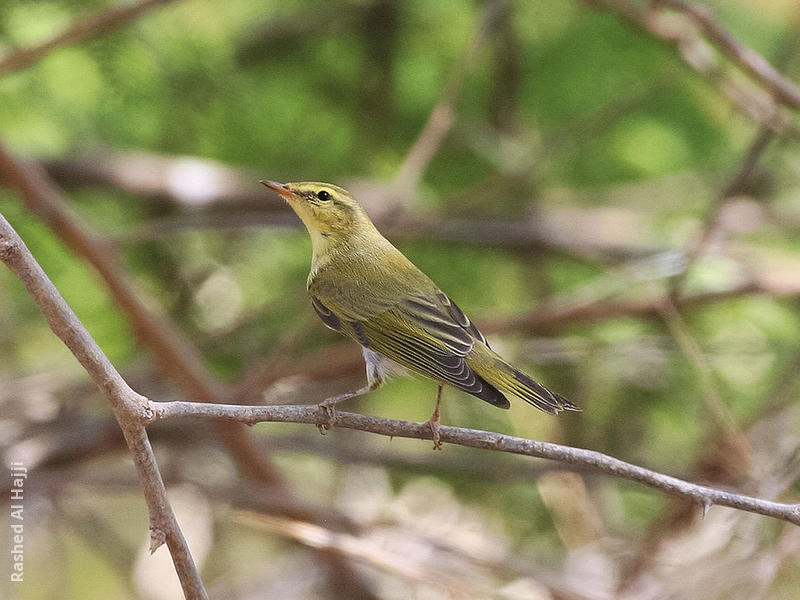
(584, 157)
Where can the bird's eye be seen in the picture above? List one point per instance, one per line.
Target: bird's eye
(324, 196)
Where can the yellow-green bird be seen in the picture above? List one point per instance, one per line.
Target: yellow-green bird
(363, 287)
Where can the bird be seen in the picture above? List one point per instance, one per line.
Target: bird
(363, 287)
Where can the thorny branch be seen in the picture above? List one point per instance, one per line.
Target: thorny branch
(129, 407)
(485, 440)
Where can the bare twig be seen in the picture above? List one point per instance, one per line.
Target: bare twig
(783, 89)
(761, 99)
(314, 19)
(548, 320)
(129, 407)
(442, 116)
(735, 185)
(706, 496)
(783, 391)
(738, 182)
(188, 182)
(713, 399)
(205, 194)
(176, 355)
(418, 566)
(543, 319)
(94, 26)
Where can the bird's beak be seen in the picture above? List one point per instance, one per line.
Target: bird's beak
(281, 188)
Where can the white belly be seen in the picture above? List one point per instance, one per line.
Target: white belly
(379, 368)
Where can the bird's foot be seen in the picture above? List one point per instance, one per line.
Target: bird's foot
(433, 423)
(330, 412)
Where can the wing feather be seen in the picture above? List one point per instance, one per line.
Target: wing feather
(427, 334)
(414, 343)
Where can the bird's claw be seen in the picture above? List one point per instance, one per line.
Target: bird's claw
(433, 423)
(330, 412)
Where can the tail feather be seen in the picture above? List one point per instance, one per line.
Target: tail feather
(491, 394)
(509, 379)
(535, 393)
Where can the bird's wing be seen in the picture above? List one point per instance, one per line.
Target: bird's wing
(395, 336)
(431, 336)
(443, 319)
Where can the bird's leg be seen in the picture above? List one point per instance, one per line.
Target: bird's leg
(328, 404)
(433, 422)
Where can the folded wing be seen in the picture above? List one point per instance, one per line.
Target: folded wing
(429, 336)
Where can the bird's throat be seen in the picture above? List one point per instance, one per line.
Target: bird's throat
(321, 250)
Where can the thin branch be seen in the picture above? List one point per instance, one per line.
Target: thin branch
(414, 566)
(783, 391)
(486, 440)
(94, 26)
(443, 114)
(717, 408)
(129, 407)
(750, 61)
(738, 182)
(548, 320)
(735, 185)
(175, 354)
(112, 171)
(317, 19)
(761, 97)
(203, 194)
(187, 182)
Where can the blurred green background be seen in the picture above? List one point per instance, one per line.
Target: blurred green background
(584, 157)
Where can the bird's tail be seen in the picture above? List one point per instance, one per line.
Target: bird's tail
(508, 378)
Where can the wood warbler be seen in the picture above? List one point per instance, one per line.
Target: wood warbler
(363, 287)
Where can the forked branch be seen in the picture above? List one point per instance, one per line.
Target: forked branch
(130, 409)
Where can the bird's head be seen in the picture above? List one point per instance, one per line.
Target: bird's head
(329, 212)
